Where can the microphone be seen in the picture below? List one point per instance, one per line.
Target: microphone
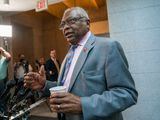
(9, 85)
(18, 102)
(4, 102)
(22, 93)
(19, 85)
(29, 95)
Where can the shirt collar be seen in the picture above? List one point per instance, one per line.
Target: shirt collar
(84, 39)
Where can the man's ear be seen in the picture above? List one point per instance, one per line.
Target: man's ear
(88, 23)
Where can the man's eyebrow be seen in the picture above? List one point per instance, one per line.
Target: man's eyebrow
(69, 18)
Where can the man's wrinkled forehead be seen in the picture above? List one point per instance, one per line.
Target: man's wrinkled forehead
(70, 14)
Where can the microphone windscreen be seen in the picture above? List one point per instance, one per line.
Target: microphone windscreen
(11, 83)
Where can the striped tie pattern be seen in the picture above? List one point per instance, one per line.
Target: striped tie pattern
(68, 62)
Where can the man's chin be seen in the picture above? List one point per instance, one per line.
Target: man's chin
(72, 41)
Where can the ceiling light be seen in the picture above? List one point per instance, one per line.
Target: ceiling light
(5, 31)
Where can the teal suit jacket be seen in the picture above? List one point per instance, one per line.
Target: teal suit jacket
(102, 80)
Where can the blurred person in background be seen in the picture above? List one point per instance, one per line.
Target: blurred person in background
(5, 57)
(21, 67)
(52, 66)
(39, 63)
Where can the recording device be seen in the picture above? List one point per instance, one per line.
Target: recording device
(25, 64)
(14, 100)
(22, 63)
(9, 85)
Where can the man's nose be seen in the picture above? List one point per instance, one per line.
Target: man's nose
(66, 27)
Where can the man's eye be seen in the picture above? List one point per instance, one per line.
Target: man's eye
(72, 21)
(62, 24)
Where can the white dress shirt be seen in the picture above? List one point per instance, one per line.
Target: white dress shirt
(75, 58)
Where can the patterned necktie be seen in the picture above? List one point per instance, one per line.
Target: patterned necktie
(68, 62)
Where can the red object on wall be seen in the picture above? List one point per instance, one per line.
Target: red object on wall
(41, 5)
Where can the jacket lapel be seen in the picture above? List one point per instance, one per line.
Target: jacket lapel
(81, 60)
(61, 71)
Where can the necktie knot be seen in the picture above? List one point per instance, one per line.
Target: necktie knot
(73, 47)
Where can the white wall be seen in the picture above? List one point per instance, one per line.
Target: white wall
(136, 25)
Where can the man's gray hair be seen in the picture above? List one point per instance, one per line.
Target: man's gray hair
(79, 11)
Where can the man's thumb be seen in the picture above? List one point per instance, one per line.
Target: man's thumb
(42, 71)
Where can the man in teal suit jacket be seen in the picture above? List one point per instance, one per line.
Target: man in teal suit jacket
(100, 84)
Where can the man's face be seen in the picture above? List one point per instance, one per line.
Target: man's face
(22, 57)
(74, 27)
(53, 54)
(41, 61)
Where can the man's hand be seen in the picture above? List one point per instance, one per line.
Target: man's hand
(35, 81)
(65, 102)
(5, 54)
(2, 50)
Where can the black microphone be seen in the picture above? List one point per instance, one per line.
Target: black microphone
(16, 103)
(9, 85)
(29, 95)
(19, 85)
(22, 94)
